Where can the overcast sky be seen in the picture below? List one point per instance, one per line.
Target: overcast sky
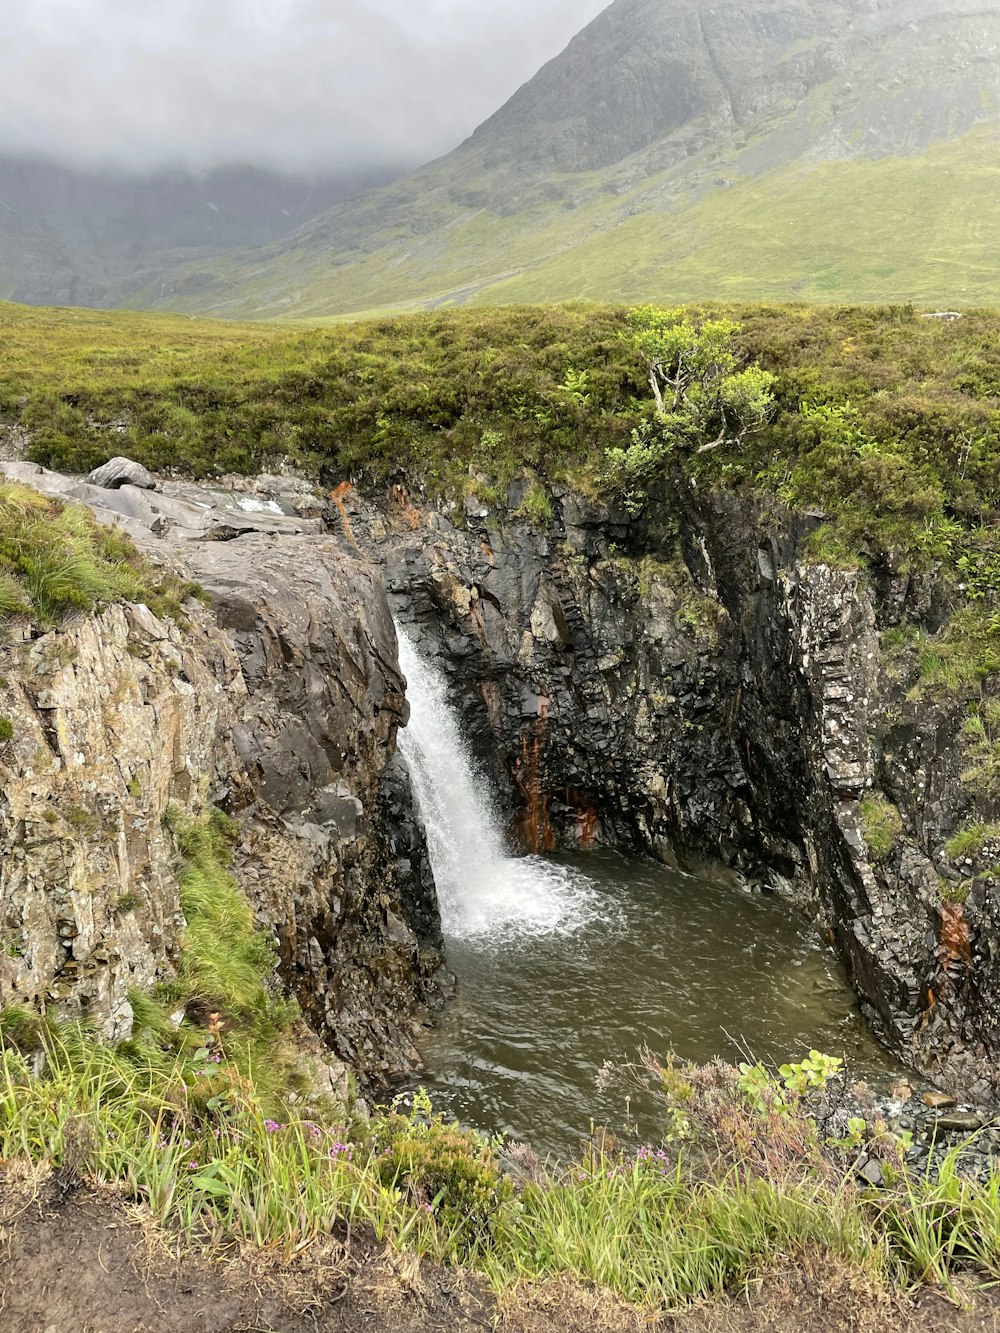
(294, 83)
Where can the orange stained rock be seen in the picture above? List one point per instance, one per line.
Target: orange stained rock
(399, 500)
(339, 496)
(537, 830)
(588, 821)
(955, 939)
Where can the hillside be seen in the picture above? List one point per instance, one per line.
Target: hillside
(74, 237)
(680, 150)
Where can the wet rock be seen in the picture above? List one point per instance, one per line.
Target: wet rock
(937, 1100)
(869, 1172)
(727, 698)
(962, 1122)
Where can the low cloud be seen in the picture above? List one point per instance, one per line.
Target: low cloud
(300, 84)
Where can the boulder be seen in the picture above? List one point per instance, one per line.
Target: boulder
(119, 472)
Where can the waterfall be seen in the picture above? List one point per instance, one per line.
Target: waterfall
(482, 889)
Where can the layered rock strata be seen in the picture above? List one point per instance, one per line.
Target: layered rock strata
(279, 702)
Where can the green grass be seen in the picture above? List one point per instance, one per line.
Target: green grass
(885, 421)
(981, 733)
(970, 841)
(881, 824)
(227, 966)
(753, 1191)
(903, 229)
(906, 228)
(55, 560)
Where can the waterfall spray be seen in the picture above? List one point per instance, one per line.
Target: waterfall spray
(482, 888)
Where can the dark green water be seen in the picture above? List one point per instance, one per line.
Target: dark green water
(641, 956)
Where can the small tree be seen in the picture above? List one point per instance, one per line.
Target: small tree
(703, 397)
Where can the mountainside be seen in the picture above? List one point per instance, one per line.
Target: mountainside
(683, 149)
(74, 237)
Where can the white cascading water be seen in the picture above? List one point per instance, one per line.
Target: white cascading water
(482, 889)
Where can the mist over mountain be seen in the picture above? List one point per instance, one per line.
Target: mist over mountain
(683, 148)
(93, 238)
(676, 149)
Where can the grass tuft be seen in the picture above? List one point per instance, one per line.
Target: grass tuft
(881, 824)
(56, 560)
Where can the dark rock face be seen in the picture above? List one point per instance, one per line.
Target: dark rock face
(724, 698)
(354, 910)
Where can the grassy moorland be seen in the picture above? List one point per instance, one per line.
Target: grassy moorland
(883, 419)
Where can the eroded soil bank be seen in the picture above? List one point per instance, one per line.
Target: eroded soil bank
(72, 1261)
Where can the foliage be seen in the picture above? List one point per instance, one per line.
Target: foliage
(226, 958)
(885, 422)
(698, 387)
(227, 968)
(981, 732)
(881, 824)
(453, 1173)
(961, 655)
(659, 1226)
(55, 559)
(536, 506)
(968, 842)
(793, 1081)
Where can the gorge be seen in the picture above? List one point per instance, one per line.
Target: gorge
(726, 708)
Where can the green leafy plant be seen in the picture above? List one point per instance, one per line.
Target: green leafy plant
(451, 1172)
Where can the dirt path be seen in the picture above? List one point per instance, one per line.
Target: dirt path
(74, 1262)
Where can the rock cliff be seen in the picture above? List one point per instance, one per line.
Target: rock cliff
(723, 697)
(279, 702)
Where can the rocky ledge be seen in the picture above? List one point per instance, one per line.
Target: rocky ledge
(278, 702)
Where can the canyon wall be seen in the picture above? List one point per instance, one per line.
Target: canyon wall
(722, 697)
(277, 701)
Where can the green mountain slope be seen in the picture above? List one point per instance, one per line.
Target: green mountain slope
(683, 148)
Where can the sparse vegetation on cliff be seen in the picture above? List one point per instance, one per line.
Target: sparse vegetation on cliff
(881, 824)
(56, 560)
(227, 963)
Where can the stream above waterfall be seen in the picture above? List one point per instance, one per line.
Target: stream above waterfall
(566, 963)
